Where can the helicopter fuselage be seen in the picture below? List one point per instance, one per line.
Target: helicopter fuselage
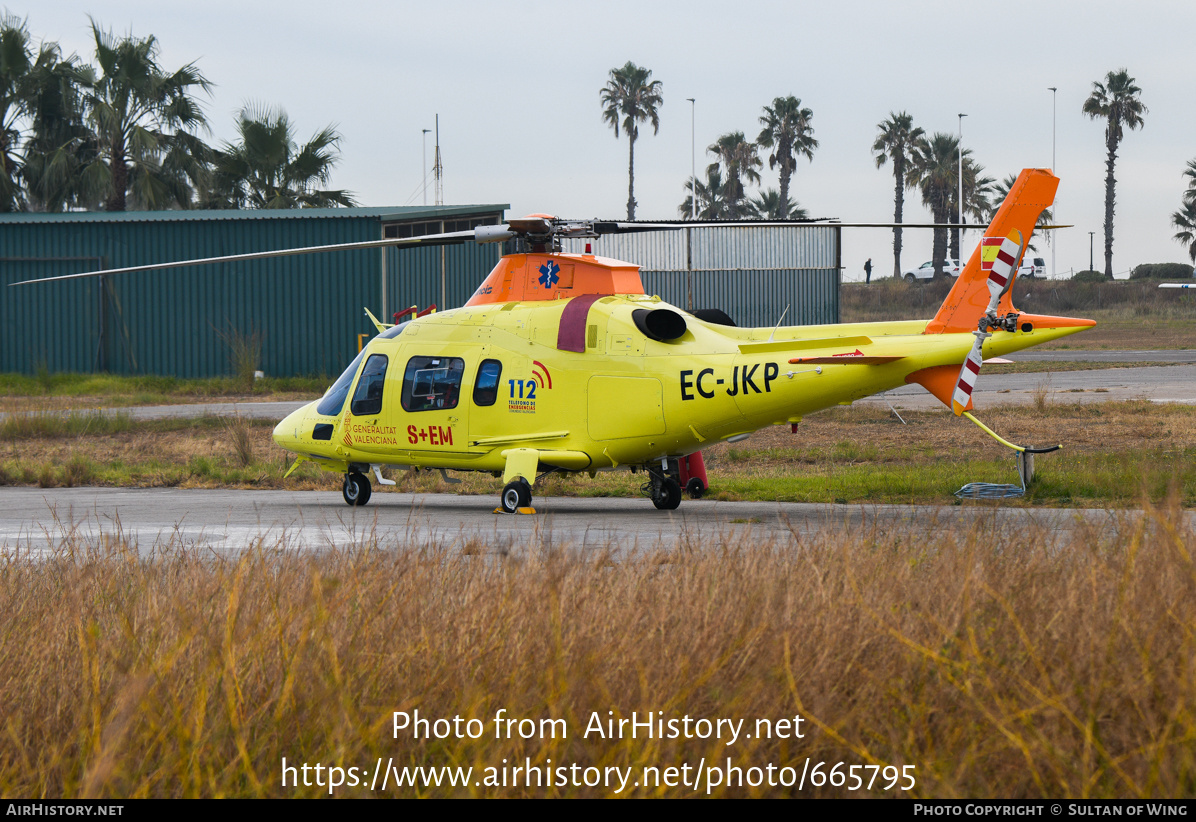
(469, 388)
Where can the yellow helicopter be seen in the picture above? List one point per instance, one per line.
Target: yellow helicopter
(560, 362)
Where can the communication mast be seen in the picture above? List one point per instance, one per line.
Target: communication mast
(437, 168)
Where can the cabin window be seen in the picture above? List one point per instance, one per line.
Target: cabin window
(432, 383)
(367, 399)
(334, 400)
(485, 387)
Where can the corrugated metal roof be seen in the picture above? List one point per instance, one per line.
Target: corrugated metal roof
(380, 213)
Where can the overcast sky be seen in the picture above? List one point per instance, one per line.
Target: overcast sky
(516, 85)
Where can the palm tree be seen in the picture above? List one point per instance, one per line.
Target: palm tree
(1185, 221)
(630, 97)
(42, 137)
(788, 132)
(937, 176)
(266, 168)
(59, 144)
(143, 120)
(16, 61)
(739, 161)
(1116, 100)
(711, 205)
(768, 205)
(1000, 191)
(1190, 172)
(903, 143)
(977, 196)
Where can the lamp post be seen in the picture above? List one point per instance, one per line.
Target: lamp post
(425, 177)
(693, 206)
(1091, 234)
(960, 249)
(1054, 171)
(693, 174)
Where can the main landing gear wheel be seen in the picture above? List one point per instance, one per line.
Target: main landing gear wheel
(517, 494)
(356, 489)
(667, 495)
(695, 488)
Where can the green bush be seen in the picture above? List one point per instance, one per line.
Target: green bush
(1089, 277)
(1161, 271)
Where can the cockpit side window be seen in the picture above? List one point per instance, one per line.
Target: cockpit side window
(485, 387)
(367, 399)
(334, 400)
(432, 383)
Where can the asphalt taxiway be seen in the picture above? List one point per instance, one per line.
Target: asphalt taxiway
(36, 521)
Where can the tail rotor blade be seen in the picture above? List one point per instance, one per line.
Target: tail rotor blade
(1001, 256)
(961, 400)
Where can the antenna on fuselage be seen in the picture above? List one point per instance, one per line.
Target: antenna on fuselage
(778, 325)
(437, 168)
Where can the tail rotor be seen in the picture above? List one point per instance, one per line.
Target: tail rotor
(999, 256)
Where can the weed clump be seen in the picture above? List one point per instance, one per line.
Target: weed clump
(239, 436)
(244, 354)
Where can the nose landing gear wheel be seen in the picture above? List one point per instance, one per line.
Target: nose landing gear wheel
(356, 489)
(667, 495)
(517, 494)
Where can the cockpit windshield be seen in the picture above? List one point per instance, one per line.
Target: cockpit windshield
(334, 400)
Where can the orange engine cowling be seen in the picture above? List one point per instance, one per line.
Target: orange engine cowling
(529, 277)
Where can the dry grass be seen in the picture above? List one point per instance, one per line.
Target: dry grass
(1000, 664)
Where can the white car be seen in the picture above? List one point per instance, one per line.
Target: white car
(1032, 267)
(926, 271)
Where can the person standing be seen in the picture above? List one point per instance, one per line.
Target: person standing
(868, 271)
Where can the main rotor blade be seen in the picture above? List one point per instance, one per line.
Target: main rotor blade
(448, 238)
(602, 227)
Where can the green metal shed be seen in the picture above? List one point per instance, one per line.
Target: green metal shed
(308, 308)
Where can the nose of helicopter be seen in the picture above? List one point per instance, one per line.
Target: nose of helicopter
(289, 433)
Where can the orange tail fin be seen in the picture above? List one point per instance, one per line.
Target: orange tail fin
(968, 300)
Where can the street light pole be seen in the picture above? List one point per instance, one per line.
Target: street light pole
(425, 179)
(960, 249)
(693, 205)
(1091, 261)
(1054, 171)
(693, 174)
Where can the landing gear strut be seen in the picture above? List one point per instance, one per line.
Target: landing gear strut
(356, 489)
(662, 485)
